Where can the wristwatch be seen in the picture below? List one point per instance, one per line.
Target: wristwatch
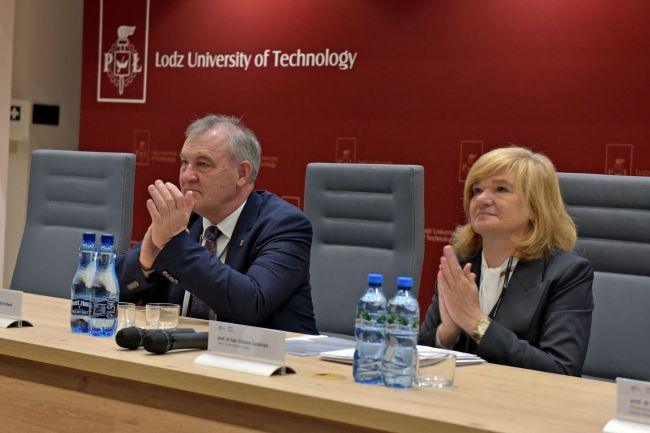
(480, 329)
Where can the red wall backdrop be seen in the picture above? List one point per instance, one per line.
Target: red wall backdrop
(433, 83)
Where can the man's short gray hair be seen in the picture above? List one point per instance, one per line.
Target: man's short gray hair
(243, 142)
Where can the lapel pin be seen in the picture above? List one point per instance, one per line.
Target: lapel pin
(241, 243)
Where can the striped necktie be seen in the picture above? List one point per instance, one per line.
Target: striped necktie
(198, 308)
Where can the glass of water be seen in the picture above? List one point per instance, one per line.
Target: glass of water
(436, 372)
(125, 314)
(168, 314)
(146, 317)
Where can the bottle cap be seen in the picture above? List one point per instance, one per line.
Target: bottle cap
(88, 237)
(405, 282)
(107, 239)
(375, 278)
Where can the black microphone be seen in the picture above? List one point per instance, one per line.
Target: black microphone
(162, 341)
(131, 337)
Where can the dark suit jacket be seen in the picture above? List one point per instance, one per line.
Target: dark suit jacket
(543, 322)
(264, 281)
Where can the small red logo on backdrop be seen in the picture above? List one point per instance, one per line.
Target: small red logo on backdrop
(618, 159)
(123, 46)
(470, 151)
(141, 145)
(346, 150)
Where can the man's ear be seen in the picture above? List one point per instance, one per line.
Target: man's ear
(244, 171)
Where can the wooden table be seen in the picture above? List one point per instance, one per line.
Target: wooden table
(54, 381)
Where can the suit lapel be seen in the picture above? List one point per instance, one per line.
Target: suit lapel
(523, 297)
(240, 241)
(520, 304)
(476, 266)
(196, 226)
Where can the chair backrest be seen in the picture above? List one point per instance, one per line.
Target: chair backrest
(613, 218)
(71, 192)
(367, 218)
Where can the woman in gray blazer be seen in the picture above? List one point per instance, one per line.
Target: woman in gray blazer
(508, 289)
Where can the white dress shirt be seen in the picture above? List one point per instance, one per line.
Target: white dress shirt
(226, 227)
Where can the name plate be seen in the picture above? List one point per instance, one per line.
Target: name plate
(245, 348)
(632, 407)
(11, 307)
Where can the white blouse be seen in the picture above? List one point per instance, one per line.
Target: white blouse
(491, 284)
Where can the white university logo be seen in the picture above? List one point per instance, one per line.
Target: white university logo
(122, 60)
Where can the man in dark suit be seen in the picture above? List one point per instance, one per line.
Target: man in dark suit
(217, 246)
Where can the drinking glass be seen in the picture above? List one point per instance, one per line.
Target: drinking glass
(168, 315)
(145, 318)
(437, 372)
(125, 314)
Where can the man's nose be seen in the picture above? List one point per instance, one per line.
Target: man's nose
(188, 174)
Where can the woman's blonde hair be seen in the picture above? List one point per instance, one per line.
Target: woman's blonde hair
(535, 180)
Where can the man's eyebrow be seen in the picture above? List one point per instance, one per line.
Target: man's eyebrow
(203, 156)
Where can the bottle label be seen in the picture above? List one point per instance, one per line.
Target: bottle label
(394, 319)
(367, 319)
(80, 307)
(399, 322)
(80, 299)
(99, 310)
(111, 308)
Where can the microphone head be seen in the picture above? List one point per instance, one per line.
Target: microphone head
(158, 342)
(130, 338)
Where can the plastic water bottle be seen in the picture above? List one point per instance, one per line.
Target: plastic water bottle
(105, 291)
(80, 290)
(402, 324)
(369, 330)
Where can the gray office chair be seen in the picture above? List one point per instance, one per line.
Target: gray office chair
(613, 218)
(71, 192)
(367, 218)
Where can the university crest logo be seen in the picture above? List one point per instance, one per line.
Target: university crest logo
(123, 51)
(122, 61)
